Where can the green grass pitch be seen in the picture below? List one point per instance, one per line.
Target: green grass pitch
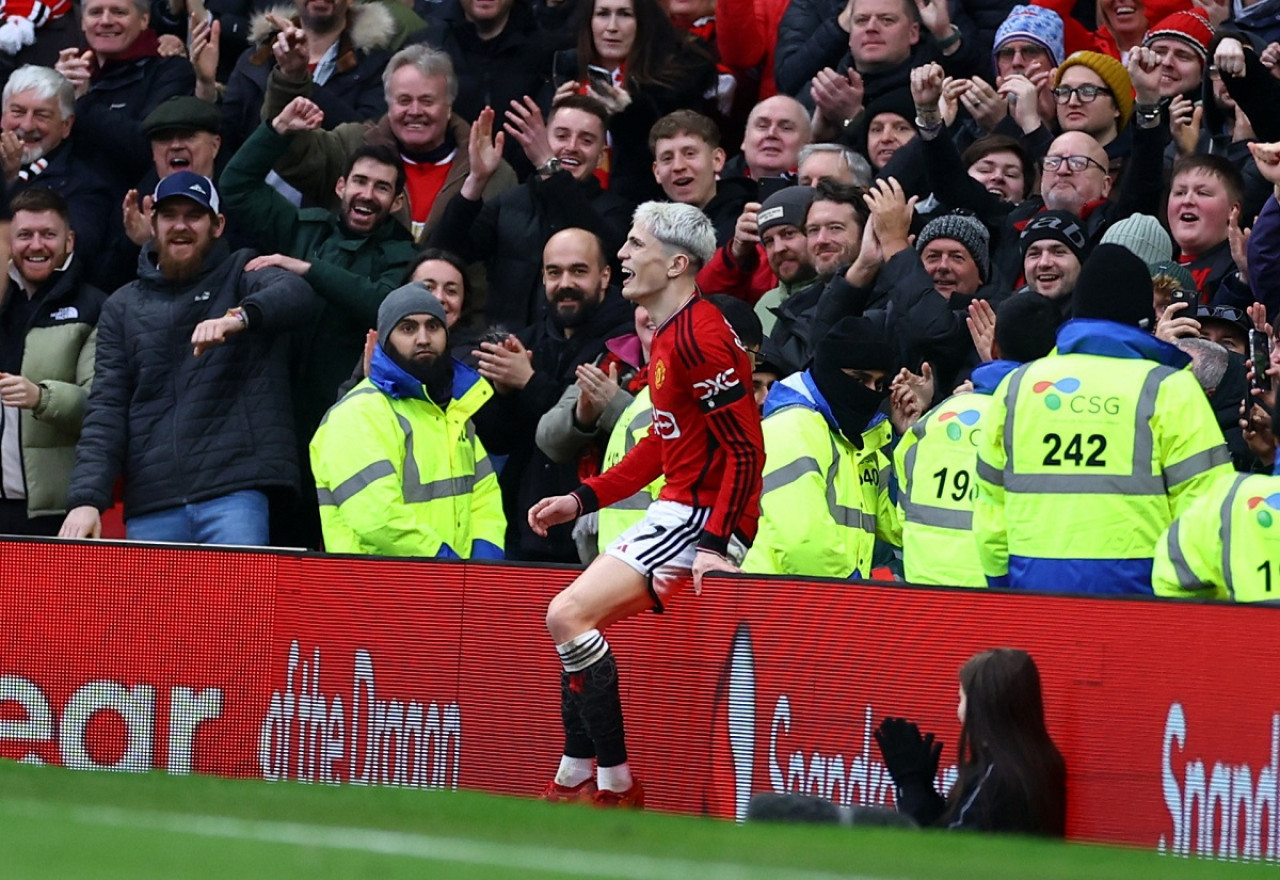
(57, 824)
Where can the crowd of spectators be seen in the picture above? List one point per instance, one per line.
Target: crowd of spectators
(207, 207)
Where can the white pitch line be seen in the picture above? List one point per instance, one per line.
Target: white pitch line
(551, 860)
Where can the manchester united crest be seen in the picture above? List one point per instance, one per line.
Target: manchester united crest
(659, 374)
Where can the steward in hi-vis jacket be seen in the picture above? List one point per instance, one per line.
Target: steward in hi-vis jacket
(826, 473)
(936, 459)
(1104, 443)
(1225, 545)
(399, 469)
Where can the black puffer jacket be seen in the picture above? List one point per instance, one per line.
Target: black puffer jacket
(509, 232)
(109, 116)
(181, 428)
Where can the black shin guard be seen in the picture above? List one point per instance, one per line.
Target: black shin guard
(601, 709)
(577, 742)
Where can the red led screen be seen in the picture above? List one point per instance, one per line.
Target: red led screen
(434, 675)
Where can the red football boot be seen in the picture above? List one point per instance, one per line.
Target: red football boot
(632, 798)
(582, 793)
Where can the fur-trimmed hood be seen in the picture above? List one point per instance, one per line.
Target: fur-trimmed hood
(370, 26)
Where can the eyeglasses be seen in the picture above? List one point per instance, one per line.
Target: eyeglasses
(1030, 53)
(1075, 163)
(1086, 93)
(1213, 72)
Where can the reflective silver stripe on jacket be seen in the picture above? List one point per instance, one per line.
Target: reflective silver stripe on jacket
(942, 517)
(928, 514)
(1182, 571)
(1195, 465)
(415, 490)
(850, 517)
(1225, 514)
(1139, 481)
(348, 488)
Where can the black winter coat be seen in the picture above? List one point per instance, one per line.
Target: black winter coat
(495, 72)
(353, 93)
(180, 428)
(809, 39)
(509, 232)
(94, 206)
(108, 133)
(530, 475)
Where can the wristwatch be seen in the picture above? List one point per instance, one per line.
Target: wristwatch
(549, 167)
(1148, 115)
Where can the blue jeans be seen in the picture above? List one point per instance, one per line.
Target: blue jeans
(238, 518)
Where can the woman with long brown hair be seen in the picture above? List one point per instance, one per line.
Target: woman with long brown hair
(631, 57)
(1011, 775)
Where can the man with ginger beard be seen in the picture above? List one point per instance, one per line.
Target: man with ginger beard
(531, 372)
(47, 335)
(190, 401)
(351, 258)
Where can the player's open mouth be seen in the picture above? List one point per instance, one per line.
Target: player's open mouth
(627, 275)
(683, 181)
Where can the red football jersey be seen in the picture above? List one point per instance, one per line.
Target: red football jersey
(705, 437)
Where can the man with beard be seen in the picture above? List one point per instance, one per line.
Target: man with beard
(833, 227)
(36, 150)
(351, 259)
(47, 319)
(399, 468)
(759, 265)
(190, 402)
(420, 85)
(508, 231)
(531, 372)
(780, 227)
(826, 469)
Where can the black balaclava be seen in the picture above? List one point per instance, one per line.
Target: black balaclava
(857, 344)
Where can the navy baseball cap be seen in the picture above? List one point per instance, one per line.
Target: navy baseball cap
(188, 185)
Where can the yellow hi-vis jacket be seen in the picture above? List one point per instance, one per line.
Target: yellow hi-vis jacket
(1104, 442)
(935, 463)
(1226, 545)
(631, 426)
(824, 502)
(401, 477)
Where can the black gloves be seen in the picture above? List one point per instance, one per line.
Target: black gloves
(909, 757)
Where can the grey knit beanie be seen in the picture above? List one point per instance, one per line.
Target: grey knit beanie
(786, 207)
(412, 299)
(964, 228)
(1142, 234)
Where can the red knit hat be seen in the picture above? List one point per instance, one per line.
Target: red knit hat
(1191, 27)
